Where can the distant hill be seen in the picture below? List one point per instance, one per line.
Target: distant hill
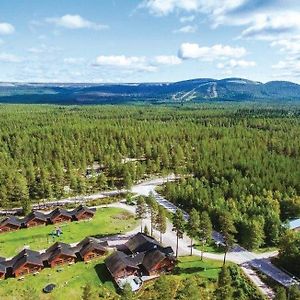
(195, 90)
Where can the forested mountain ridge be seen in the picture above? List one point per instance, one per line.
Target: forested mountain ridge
(195, 90)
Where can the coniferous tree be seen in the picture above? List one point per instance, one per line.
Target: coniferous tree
(161, 222)
(153, 210)
(205, 231)
(228, 231)
(141, 210)
(224, 290)
(193, 226)
(178, 226)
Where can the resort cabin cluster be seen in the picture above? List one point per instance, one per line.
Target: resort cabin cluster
(141, 257)
(32, 262)
(36, 218)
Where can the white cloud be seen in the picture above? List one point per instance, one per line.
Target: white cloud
(273, 26)
(194, 51)
(138, 63)
(167, 60)
(6, 28)
(232, 63)
(187, 19)
(165, 7)
(75, 22)
(186, 29)
(216, 9)
(10, 58)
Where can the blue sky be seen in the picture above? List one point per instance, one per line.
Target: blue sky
(148, 40)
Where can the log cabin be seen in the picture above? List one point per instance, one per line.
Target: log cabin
(59, 254)
(82, 213)
(59, 215)
(121, 265)
(90, 248)
(141, 255)
(157, 262)
(35, 218)
(10, 223)
(26, 262)
(140, 243)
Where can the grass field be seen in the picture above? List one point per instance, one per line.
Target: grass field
(106, 221)
(192, 265)
(70, 280)
(211, 248)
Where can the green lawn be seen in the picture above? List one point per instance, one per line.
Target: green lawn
(69, 282)
(106, 221)
(192, 265)
(210, 248)
(71, 279)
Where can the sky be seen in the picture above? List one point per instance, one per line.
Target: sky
(103, 41)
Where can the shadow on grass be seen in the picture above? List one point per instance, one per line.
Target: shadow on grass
(193, 270)
(104, 276)
(103, 273)
(210, 248)
(112, 236)
(190, 270)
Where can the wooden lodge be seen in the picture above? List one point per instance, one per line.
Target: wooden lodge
(59, 215)
(10, 223)
(82, 213)
(90, 248)
(30, 262)
(156, 262)
(26, 262)
(59, 254)
(141, 255)
(35, 218)
(121, 265)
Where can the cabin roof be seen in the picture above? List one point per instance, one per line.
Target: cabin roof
(11, 220)
(59, 211)
(35, 215)
(81, 209)
(119, 261)
(152, 258)
(141, 242)
(89, 244)
(57, 249)
(25, 256)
